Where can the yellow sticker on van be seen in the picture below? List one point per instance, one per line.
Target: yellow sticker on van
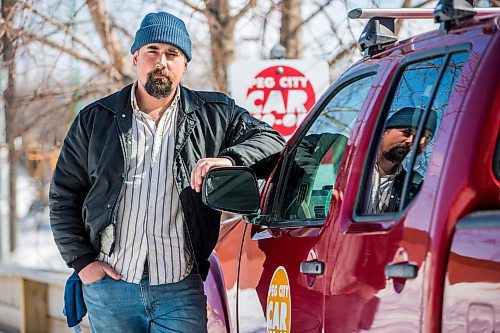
(279, 306)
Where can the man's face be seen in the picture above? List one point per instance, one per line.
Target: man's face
(160, 68)
(397, 142)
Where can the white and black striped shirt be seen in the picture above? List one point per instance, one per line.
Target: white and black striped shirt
(150, 223)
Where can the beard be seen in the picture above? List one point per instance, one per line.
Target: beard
(396, 154)
(158, 87)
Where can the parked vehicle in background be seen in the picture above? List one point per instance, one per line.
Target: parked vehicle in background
(383, 212)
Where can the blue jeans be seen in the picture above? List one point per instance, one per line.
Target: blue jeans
(119, 306)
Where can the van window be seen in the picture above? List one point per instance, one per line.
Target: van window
(312, 173)
(411, 124)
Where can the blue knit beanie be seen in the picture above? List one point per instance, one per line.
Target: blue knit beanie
(163, 28)
(410, 117)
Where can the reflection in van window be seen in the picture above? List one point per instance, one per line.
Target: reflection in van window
(402, 147)
(313, 171)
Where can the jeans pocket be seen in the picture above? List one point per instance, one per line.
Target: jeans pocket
(96, 282)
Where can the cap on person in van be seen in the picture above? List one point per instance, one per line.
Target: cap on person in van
(410, 117)
(163, 28)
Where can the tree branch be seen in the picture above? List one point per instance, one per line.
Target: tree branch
(37, 118)
(250, 4)
(193, 7)
(121, 28)
(31, 36)
(264, 28)
(310, 17)
(204, 12)
(61, 26)
(109, 40)
(347, 50)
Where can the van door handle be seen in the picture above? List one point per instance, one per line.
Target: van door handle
(402, 270)
(313, 267)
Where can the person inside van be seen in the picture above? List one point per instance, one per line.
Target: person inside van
(389, 174)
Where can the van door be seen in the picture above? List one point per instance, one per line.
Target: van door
(378, 263)
(280, 286)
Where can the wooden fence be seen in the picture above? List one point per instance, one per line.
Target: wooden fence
(31, 301)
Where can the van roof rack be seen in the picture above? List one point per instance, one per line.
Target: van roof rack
(379, 30)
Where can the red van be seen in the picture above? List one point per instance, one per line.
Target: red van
(383, 212)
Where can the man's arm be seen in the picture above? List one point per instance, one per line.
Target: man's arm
(253, 143)
(68, 189)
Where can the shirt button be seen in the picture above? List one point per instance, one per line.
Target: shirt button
(123, 115)
(109, 206)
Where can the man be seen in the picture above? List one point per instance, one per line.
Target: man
(126, 212)
(388, 176)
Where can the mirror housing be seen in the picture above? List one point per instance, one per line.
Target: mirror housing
(231, 189)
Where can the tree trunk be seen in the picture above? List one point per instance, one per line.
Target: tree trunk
(290, 32)
(10, 123)
(221, 25)
(222, 47)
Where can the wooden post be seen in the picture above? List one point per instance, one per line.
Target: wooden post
(34, 307)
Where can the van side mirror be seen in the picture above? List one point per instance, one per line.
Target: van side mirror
(231, 189)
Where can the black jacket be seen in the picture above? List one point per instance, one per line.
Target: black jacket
(94, 160)
(397, 189)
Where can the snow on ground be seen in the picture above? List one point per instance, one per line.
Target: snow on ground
(35, 245)
(36, 249)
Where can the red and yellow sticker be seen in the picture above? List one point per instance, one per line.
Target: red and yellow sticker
(279, 306)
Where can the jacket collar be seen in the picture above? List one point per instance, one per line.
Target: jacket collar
(119, 102)
(189, 100)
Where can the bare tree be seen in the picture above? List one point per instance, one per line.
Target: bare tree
(11, 131)
(103, 25)
(292, 23)
(34, 108)
(221, 25)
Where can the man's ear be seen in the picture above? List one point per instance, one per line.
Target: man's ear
(134, 58)
(185, 67)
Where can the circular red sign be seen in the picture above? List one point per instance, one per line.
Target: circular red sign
(282, 96)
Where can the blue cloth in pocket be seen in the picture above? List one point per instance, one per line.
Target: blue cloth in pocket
(74, 304)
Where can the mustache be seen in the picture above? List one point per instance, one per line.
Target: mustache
(163, 72)
(403, 147)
